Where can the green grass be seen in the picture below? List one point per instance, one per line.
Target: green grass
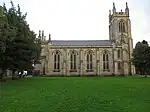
(76, 94)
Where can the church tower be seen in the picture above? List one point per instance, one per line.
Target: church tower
(119, 23)
(120, 34)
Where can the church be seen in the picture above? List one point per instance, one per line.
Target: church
(91, 57)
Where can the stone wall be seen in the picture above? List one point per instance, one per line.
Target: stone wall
(97, 58)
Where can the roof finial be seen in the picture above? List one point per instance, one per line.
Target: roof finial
(39, 34)
(114, 8)
(49, 37)
(49, 40)
(127, 9)
(127, 5)
(43, 33)
(109, 12)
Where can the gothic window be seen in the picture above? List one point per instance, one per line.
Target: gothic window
(105, 61)
(119, 54)
(121, 26)
(56, 61)
(119, 65)
(89, 61)
(73, 57)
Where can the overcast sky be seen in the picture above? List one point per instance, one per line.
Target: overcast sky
(83, 19)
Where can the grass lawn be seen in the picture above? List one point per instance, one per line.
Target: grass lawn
(76, 94)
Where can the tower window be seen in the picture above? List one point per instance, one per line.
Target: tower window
(121, 26)
(105, 61)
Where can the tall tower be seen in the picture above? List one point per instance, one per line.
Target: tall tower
(119, 23)
(120, 33)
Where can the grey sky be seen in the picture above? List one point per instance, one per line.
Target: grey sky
(83, 19)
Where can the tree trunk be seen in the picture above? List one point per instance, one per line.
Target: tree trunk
(1, 74)
(13, 74)
(145, 74)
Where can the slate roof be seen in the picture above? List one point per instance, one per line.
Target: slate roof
(81, 42)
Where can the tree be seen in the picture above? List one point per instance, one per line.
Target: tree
(145, 42)
(3, 33)
(141, 58)
(6, 35)
(21, 47)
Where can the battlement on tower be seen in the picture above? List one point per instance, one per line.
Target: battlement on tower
(121, 13)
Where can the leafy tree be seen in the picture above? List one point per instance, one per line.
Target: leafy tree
(21, 48)
(145, 42)
(5, 37)
(141, 57)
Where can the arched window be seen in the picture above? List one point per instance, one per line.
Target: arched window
(89, 61)
(121, 26)
(119, 65)
(105, 61)
(73, 57)
(56, 61)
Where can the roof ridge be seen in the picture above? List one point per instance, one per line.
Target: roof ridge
(81, 40)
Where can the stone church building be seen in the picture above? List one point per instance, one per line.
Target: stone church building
(91, 57)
